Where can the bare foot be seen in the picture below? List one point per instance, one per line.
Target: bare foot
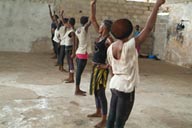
(80, 93)
(101, 124)
(94, 115)
(69, 81)
(54, 57)
(62, 70)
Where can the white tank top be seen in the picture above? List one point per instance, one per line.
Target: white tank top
(125, 70)
(56, 36)
(62, 32)
(83, 40)
(67, 41)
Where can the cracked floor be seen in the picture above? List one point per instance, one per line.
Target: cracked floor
(33, 95)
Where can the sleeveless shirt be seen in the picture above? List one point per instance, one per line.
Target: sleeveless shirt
(100, 53)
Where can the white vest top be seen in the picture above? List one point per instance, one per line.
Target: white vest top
(83, 40)
(66, 40)
(56, 36)
(62, 32)
(125, 70)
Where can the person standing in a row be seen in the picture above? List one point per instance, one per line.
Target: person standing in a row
(53, 28)
(62, 32)
(82, 52)
(70, 41)
(99, 75)
(123, 58)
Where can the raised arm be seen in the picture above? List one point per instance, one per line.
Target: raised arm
(87, 25)
(62, 16)
(50, 12)
(150, 23)
(93, 15)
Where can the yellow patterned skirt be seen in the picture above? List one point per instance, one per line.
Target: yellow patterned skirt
(98, 78)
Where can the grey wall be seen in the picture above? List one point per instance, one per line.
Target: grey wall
(168, 45)
(25, 24)
(179, 52)
(22, 24)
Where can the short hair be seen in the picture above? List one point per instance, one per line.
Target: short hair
(56, 16)
(65, 20)
(84, 20)
(108, 24)
(122, 28)
(72, 21)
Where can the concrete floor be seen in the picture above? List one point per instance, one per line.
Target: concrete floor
(33, 95)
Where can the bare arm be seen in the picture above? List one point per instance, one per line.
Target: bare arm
(87, 25)
(62, 17)
(111, 71)
(74, 44)
(150, 23)
(50, 12)
(109, 41)
(93, 15)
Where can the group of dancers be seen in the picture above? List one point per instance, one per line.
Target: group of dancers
(116, 54)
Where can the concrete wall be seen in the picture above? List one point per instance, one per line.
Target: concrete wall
(172, 46)
(137, 12)
(178, 50)
(22, 24)
(25, 24)
(160, 35)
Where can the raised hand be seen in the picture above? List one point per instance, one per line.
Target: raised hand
(93, 2)
(62, 12)
(49, 5)
(160, 2)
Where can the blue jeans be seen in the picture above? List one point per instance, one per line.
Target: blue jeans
(81, 63)
(120, 108)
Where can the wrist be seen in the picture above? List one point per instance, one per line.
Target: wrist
(158, 5)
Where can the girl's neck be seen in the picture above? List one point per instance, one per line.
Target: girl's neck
(104, 35)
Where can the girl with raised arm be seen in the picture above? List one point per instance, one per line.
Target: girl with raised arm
(62, 32)
(123, 58)
(54, 18)
(99, 74)
(70, 41)
(81, 52)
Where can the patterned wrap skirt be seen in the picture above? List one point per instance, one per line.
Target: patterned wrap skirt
(98, 79)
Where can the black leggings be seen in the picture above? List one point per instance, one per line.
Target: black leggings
(53, 43)
(81, 63)
(61, 55)
(68, 53)
(101, 100)
(120, 108)
(57, 49)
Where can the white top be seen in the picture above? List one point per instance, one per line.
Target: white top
(83, 40)
(56, 36)
(62, 32)
(125, 69)
(66, 39)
